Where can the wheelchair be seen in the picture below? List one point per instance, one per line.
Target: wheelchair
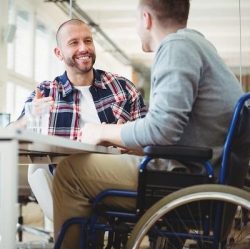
(177, 209)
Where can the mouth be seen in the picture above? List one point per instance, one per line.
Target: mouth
(83, 58)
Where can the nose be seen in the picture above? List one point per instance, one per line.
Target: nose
(82, 47)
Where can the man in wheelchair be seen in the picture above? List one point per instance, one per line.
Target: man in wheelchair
(192, 97)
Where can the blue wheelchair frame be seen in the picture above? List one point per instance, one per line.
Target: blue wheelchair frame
(90, 225)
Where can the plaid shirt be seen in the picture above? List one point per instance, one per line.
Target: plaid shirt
(114, 97)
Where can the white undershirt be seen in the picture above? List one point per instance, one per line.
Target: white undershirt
(88, 113)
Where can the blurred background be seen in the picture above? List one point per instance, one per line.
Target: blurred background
(27, 32)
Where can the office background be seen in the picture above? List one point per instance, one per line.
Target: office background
(27, 32)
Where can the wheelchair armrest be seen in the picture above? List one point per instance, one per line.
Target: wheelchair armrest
(179, 152)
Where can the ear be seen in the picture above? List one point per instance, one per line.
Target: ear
(147, 20)
(58, 53)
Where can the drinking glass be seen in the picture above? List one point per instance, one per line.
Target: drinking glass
(37, 116)
(39, 245)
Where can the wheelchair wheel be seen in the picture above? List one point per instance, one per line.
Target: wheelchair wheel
(201, 216)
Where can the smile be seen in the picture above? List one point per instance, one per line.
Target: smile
(83, 58)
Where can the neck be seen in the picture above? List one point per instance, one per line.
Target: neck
(81, 79)
(161, 32)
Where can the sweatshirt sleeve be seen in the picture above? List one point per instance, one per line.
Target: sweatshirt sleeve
(174, 87)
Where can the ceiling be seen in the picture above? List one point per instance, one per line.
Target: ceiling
(218, 20)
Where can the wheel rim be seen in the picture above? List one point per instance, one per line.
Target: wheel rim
(200, 196)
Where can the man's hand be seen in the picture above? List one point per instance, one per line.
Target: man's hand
(97, 133)
(106, 135)
(39, 102)
(94, 134)
(38, 94)
(91, 134)
(121, 121)
(102, 134)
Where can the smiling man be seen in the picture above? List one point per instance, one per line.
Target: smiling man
(81, 95)
(76, 48)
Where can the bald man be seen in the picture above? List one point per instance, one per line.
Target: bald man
(80, 95)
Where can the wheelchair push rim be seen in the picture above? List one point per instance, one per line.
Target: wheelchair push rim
(184, 196)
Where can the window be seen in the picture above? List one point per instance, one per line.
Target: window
(31, 53)
(23, 44)
(56, 66)
(47, 66)
(42, 50)
(16, 96)
(30, 58)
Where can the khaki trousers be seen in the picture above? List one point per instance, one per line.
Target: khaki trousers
(80, 178)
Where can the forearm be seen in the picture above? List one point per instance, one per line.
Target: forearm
(104, 134)
(111, 134)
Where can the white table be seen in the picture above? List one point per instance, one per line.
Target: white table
(23, 147)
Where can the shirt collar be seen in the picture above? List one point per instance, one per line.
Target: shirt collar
(67, 86)
(63, 80)
(99, 79)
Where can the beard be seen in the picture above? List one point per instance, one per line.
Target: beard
(82, 68)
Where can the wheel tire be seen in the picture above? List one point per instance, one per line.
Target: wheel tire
(206, 192)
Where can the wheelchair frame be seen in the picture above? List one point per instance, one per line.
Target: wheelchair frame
(90, 225)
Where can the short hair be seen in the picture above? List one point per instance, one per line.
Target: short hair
(177, 10)
(71, 21)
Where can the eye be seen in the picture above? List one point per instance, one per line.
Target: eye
(88, 41)
(72, 43)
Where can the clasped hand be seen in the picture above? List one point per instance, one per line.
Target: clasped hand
(102, 134)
